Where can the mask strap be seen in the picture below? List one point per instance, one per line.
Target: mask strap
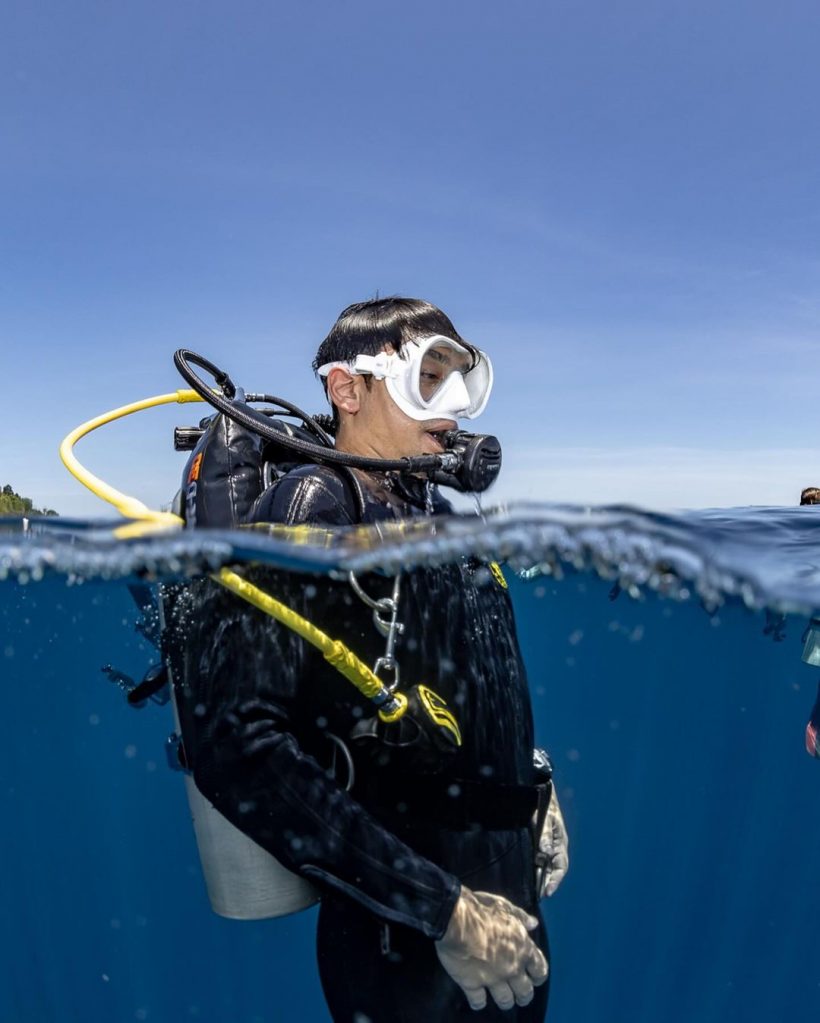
(378, 366)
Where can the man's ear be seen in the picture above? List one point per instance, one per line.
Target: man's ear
(343, 390)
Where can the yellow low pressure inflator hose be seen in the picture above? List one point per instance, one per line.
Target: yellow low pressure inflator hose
(130, 507)
(335, 652)
(392, 705)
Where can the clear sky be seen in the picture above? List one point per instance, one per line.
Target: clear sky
(620, 201)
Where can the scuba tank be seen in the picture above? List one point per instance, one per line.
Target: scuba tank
(243, 880)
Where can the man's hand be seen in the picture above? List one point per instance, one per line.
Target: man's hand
(553, 849)
(487, 948)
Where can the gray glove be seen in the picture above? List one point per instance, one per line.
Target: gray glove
(487, 948)
(552, 858)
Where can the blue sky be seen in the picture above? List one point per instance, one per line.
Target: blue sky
(619, 201)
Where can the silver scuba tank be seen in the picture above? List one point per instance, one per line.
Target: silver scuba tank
(244, 881)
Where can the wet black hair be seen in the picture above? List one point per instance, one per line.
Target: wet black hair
(811, 495)
(367, 328)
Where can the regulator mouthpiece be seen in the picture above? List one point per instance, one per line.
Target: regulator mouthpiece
(478, 465)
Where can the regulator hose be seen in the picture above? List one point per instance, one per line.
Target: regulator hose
(257, 422)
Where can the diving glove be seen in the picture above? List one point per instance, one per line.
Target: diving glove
(487, 948)
(552, 856)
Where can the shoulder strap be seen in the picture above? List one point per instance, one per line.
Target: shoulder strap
(355, 488)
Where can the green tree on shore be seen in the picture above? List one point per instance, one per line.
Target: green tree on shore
(12, 503)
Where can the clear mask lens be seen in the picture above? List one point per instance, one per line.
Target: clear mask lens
(437, 364)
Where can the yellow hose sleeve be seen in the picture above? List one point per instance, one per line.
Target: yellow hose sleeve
(335, 652)
(348, 664)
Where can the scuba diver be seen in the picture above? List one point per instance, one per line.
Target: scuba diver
(430, 832)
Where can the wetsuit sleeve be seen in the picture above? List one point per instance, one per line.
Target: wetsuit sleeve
(244, 706)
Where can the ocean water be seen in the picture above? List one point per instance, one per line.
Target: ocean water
(664, 655)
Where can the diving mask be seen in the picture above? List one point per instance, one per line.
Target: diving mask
(431, 378)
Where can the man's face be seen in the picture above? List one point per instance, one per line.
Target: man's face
(380, 429)
(392, 434)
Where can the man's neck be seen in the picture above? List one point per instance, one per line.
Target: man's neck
(352, 443)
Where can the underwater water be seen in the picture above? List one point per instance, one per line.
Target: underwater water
(673, 705)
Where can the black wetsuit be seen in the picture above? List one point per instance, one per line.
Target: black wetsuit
(256, 705)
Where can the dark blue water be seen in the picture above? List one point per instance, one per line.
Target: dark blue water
(675, 723)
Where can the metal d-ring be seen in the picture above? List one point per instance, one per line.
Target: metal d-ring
(386, 620)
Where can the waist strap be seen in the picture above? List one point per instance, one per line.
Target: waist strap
(450, 802)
